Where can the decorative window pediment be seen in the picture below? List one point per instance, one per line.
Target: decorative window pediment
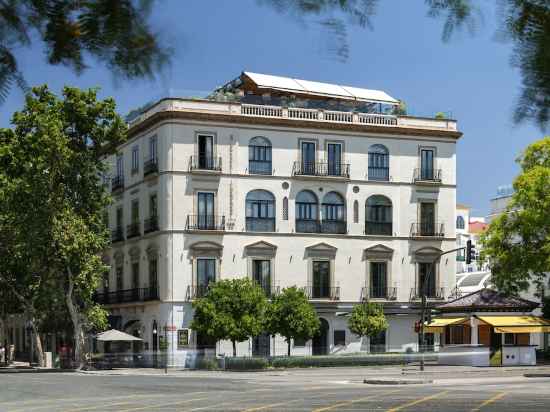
(134, 253)
(260, 248)
(426, 254)
(152, 251)
(118, 257)
(321, 250)
(206, 249)
(378, 252)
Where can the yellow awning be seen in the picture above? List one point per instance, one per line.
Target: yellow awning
(517, 324)
(437, 325)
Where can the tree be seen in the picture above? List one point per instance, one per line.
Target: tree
(113, 32)
(291, 315)
(232, 309)
(517, 243)
(52, 164)
(367, 319)
(525, 23)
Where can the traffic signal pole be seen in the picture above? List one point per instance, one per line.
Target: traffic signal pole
(423, 292)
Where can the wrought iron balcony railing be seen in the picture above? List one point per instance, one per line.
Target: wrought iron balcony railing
(117, 235)
(117, 183)
(379, 173)
(260, 167)
(428, 229)
(321, 226)
(376, 292)
(268, 289)
(196, 291)
(151, 224)
(209, 163)
(133, 230)
(323, 292)
(308, 226)
(150, 166)
(334, 226)
(432, 293)
(260, 224)
(378, 228)
(321, 169)
(427, 175)
(205, 222)
(127, 295)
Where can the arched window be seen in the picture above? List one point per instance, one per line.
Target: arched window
(307, 212)
(379, 162)
(259, 156)
(260, 211)
(355, 211)
(378, 217)
(285, 208)
(460, 222)
(333, 214)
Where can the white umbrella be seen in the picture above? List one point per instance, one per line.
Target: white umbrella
(116, 335)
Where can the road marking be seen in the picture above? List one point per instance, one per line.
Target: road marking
(416, 402)
(219, 404)
(346, 403)
(490, 400)
(141, 408)
(264, 407)
(89, 408)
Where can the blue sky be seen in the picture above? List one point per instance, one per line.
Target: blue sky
(214, 40)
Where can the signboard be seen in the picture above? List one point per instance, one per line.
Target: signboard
(170, 328)
(183, 338)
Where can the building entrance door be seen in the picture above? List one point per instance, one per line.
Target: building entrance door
(320, 342)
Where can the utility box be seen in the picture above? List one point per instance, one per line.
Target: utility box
(48, 360)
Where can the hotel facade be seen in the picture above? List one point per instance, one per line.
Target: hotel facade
(286, 182)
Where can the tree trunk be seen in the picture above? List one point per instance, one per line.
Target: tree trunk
(78, 332)
(234, 348)
(288, 343)
(38, 349)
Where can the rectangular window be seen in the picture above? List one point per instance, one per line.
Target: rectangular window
(206, 152)
(119, 278)
(378, 280)
(456, 334)
(135, 159)
(119, 218)
(153, 148)
(205, 206)
(378, 343)
(135, 275)
(119, 165)
(153, 206)
(427, 219)
(427, 164)
(135, 211)
(509, 339)
(261, 273)
(153, 274)
(299, 342)
(206, 272)
(427, 273)
(334, 159)
(308, 158)
(339, 338)
(321, 279)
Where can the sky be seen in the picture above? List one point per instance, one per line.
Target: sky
(403, 54)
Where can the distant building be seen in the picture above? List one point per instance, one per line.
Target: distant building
(500, 202)
(468, 228)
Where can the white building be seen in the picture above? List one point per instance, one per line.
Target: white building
(289, 183)
(468, 228)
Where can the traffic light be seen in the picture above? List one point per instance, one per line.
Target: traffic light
(470, 252)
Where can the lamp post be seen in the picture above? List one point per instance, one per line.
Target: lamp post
(154, 348)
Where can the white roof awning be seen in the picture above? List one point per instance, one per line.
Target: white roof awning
(267, 81)
(116, 335)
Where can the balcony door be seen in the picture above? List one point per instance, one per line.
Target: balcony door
(426, 279)
(153, 276)
(427, 219)
(206, 151)
(308, 158)
(321, 279)
(334, 159)
(427, 164)
(206, 274)
(205, 207)
(378, 279)
(261, 274)
(119, 217)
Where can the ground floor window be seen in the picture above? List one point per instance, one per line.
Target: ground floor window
(378, 343)
(339, 338)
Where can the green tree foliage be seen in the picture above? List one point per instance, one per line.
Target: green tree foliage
(233, 309)
(517, 243)
(52, 200)
(525, 23)
(546, 307)
(367, 319)
(292, 316)
(115, 33)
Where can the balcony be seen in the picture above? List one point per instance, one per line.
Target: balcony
(117, 184)
(427, 176)
(260, 167)
(378, 228)
(427, 229)
(381, 174)
(260, 224)
(433, 294)
(127, 296)
(321, 226)
(322, 292)
(117, 235)
(205, 222)
(321, 169)
(151, 224)
(268, 289)
(196, 292)
(374, 292)
(208, 164)
(150, 167)
(133, 230)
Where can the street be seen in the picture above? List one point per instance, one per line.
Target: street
(297, 390)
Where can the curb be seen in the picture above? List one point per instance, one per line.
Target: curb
(32, 370)
(397, 381)
(537, 375)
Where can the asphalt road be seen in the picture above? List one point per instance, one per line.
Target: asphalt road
(318, 390)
